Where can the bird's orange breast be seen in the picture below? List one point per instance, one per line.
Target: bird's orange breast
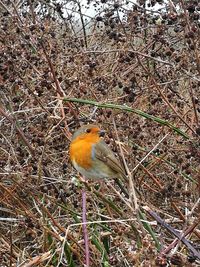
(81, 151)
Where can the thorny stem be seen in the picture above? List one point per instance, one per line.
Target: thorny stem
(128, 109)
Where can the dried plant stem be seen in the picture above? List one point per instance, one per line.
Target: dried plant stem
(85, 232)
(193, 103)
(13, 122)
(16, 11)
(128, 51)
(154, 82)
(5, 7)
(179, 236)
(60, 93)
(32, 10)
(83, 24)
(38, 259)
(150, 152)
(156, 181)
(132, 188)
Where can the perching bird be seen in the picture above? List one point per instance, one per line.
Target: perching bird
(92, 157)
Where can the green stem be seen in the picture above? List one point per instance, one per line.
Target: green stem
(128, 109)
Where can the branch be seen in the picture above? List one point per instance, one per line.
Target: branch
(128, 109)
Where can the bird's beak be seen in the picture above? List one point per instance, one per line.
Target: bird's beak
(101, 133)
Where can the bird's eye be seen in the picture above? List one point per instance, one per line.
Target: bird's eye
(88, 130)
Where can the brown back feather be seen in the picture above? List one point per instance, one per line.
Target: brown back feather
(105, 154)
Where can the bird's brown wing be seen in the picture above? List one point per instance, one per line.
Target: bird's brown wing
(105, 154)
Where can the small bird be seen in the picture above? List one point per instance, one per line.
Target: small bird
(91, 156)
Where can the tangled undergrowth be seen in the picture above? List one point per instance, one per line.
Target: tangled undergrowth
(128, 65)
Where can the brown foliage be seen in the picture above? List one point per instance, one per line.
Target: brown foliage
(127, 56)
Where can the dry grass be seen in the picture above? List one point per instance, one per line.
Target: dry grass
(52, 81)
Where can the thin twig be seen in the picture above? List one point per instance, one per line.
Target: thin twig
(149, 153)
(132, 188)
(85, 232)
(127, 51)
(58, 88)
(174, 232)
(13, 122)
(82, 22)
(164, 97)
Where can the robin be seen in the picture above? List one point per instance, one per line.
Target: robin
(91, 156)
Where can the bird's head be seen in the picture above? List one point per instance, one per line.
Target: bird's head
(88, 131)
